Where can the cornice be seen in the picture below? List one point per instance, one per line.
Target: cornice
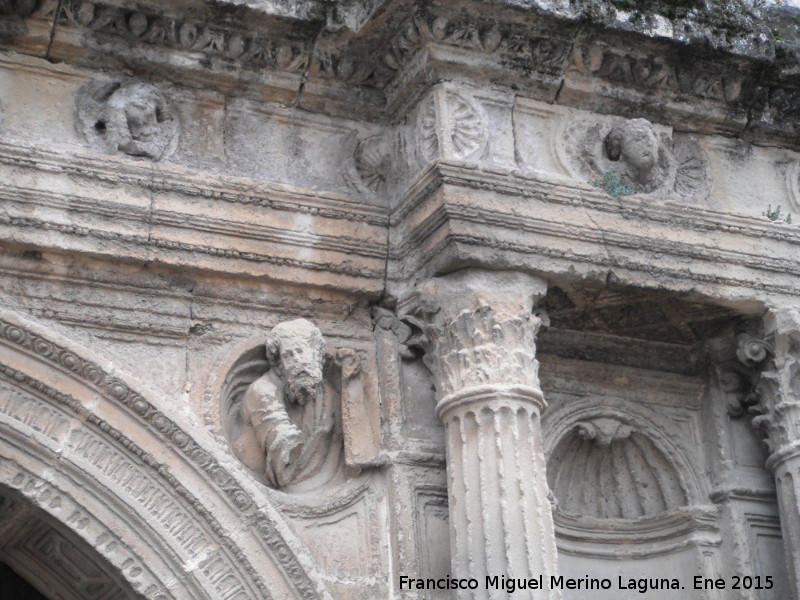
(147, 242)
(427, 223)
(359, 56)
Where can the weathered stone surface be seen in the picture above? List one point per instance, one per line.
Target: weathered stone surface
(304, 297)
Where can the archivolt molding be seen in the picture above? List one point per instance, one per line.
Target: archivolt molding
(65, 501)
(204, 512)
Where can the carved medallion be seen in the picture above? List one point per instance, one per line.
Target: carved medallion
(128, 118)
(643, 157)
(373, 162)
(283, 409)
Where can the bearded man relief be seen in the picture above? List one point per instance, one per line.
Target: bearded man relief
(290, 423)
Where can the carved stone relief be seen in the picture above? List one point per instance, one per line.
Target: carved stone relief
(190, 35)
(514, 42)
(611, 458)
(450, 124)
(128, 118)
(94, 450)
(648, 158)
(739, 372)
(373, 162)
(607, 469)
(285, 423)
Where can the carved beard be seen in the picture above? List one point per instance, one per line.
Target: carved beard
(302, 382)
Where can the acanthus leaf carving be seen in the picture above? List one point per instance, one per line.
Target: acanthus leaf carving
(480, 340)
(749, 375)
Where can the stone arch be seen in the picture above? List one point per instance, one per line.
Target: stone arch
(122, 469)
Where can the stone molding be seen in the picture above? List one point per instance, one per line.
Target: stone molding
(435, 225)
(170, 234)
(667, 532)
(171, 180)
(427, 210)
(273, 536)
(541, 48)
(62, 505)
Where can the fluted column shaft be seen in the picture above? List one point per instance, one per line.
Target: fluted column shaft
(480, 347)
(778, 413)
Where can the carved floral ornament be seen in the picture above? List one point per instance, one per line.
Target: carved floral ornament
(764, 379)
(647, 158)
(451, 124)
(741, 376)
(373, 161)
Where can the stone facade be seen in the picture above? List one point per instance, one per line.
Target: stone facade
(321, 299)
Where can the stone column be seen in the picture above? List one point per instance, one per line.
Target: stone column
(480, 333)
(775, 410)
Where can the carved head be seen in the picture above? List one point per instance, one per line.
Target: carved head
(296, 348)
(138, 119)
(636, 144)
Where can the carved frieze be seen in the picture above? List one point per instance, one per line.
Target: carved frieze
(647, 158)
(514, 43)
(211, 39)
(129, 118)
(695, 78)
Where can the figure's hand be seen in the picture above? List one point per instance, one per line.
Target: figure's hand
(282, 462)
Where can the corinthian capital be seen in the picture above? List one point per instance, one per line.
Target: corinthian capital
(779, 386)
(479, 330)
